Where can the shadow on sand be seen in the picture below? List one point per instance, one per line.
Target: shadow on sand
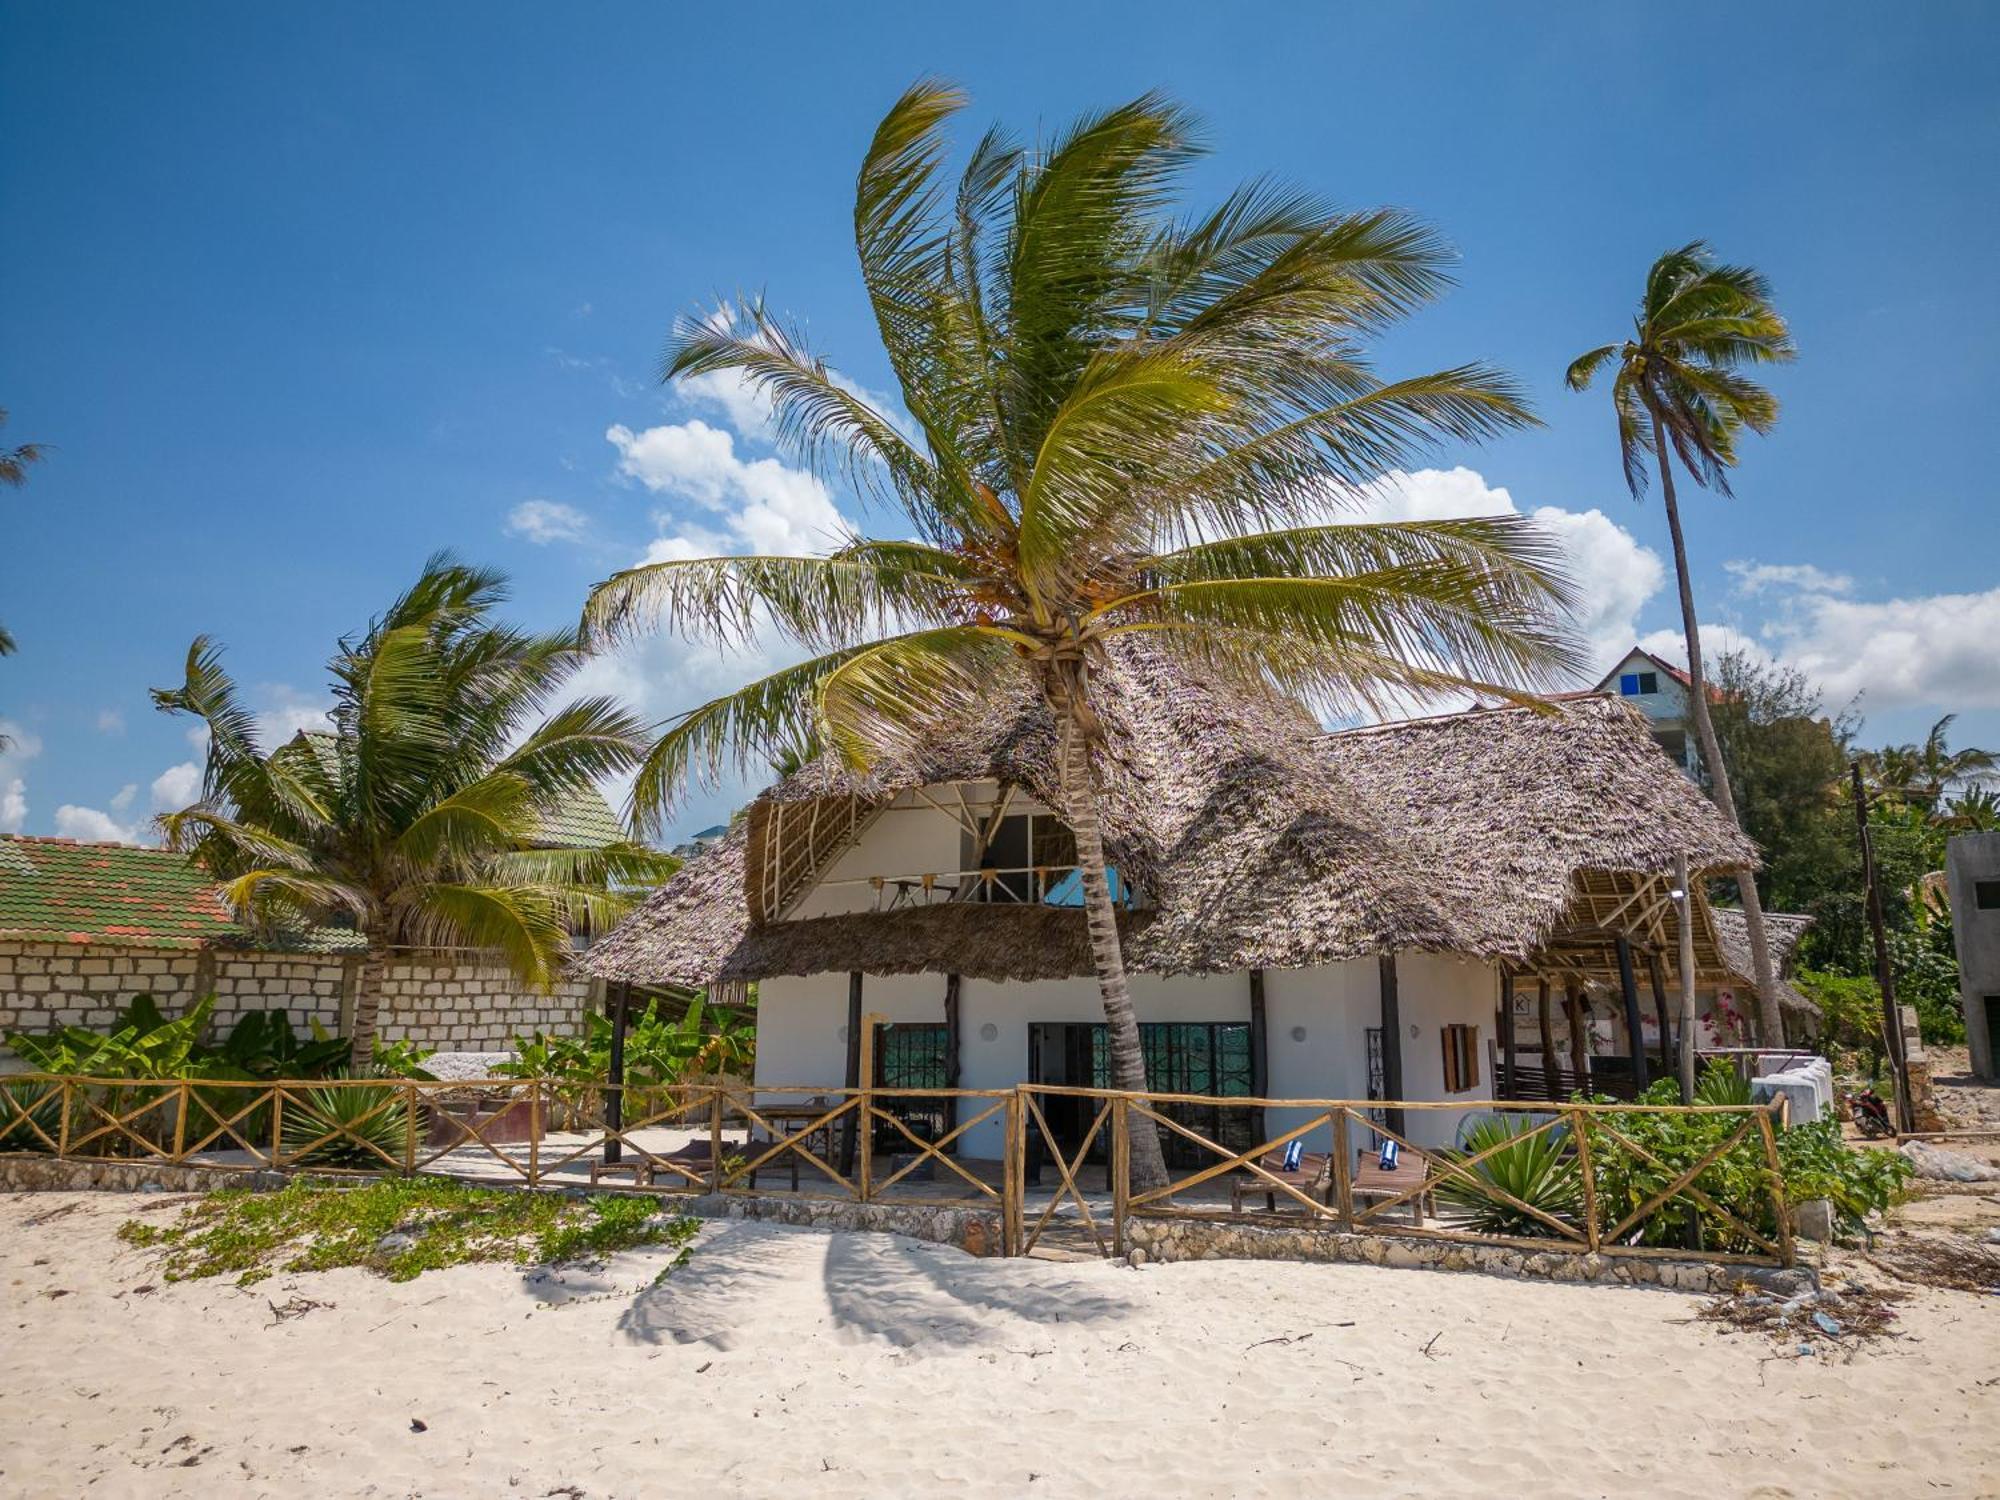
(875, 1286)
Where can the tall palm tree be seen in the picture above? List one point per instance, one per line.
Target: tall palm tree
(417, 820)
(14, 473)
(1679, 394)
(1919, 775)
(1125, 423)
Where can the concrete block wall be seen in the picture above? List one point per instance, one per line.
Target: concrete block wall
(450, 1006)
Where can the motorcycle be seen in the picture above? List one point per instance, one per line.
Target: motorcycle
(1870, 1114)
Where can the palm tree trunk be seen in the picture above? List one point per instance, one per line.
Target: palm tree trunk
(1770, 1019)
(1121, 1022)
(367, 1005)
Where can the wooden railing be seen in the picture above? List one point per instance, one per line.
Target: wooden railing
(1632, 1188)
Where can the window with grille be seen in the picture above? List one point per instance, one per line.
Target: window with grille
(1461, 1058)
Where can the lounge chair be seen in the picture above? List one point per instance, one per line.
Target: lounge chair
(1310, 1177)
(1412, 1170)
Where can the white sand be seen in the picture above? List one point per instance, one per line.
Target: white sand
(789, 1362)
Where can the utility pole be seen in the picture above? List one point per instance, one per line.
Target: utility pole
(1892, 1019)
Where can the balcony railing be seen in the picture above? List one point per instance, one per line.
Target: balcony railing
(1023, 885)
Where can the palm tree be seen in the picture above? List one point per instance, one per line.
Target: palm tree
(1678, 394)
(1126, 424)
(416, 821)
(1920, 775)
(14, 473)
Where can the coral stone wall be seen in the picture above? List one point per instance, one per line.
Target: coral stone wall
(450, 1006)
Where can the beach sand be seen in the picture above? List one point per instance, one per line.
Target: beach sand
(791, 1362)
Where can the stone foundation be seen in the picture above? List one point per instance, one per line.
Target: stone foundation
(1186, 1239)
(973, 1230)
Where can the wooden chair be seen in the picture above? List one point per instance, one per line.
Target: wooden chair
(1312, 1177)
(1412, 1170)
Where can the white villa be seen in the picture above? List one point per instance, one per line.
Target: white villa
(1306, 915)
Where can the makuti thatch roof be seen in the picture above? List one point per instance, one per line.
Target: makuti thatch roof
(1783, 931)
(1255, 839)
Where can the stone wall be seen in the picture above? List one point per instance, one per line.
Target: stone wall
(444, 1005)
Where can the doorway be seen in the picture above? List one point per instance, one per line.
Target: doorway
(1182, 1057)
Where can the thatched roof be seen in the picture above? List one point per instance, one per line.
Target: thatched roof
(1258, 841)
(1783, 930)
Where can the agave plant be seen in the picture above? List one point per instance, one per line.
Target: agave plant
(1539, 1169)
(336, 1127)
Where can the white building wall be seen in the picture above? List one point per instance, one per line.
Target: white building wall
(908, 838)
(801, 1027)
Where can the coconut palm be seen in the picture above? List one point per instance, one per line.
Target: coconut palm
(1123, 424)
(14, 473)
(417, 820)
(1679, 394)
(1920, 775)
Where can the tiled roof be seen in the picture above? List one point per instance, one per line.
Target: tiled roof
(60, 891)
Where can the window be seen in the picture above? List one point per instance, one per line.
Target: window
(1461, 1058)
(1034, 855)
(1986, 894)
(1638, 684)
(912, 1056)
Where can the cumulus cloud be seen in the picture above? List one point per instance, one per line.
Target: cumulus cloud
(110, 721)
(545, 521)
(1935, 650)
(762, 504)
(176, 787)
(1755, 578)
(286, 712)
(1614, 574)
(92, 826)
(17, 748)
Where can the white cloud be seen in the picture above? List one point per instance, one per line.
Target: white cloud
(91, 826)
(20, 748)
(121, 800)
(1755, 578)
(743, 405)
(176, 787)
(545, 521)
(764, 505)
(110, 721)
(1716, 640)
(286, 711)
(1614, 574)
(1935, 650)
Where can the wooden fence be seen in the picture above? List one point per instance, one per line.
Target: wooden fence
(1634, 1179)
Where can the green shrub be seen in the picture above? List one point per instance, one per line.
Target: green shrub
(1539, 1169)
(1737, 1182)
(397, 1228)
(378, 1115)
(1817, 1163)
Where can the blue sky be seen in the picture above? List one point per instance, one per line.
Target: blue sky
(299, 294)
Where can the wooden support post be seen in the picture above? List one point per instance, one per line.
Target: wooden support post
(413, 1118)
(1343, 1170)
(534, 1131)
(1885, 974)
(850, 1134)
(715, 1138)
(1121, 1171)
(1547, 1025)
(278, 1125)
(1628, 990)
(1788, 1251)
(1579, 1123)
(1507, 1055)
(865, 1110)
(614, 1082)
(1579, 1041)
(1656, 974)
(1684, 923)
(954, 1042)
(1260, 1049)
(1392, 1040)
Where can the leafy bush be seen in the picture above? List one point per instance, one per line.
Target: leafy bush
(1852, 1007)
(1817, 1163)
(396, 1228)
(658, 1052)
(378, 1115)
(1738, 1181)
(1540, 1170)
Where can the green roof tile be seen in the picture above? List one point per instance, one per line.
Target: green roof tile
(107, 893)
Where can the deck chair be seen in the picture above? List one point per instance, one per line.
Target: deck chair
(1311, 1176)
(1412, 1170)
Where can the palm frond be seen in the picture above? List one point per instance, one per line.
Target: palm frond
(895, 693)
(523, 923)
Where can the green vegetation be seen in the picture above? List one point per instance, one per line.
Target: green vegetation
(14, 464)
(356, 1125)
(1540, 1170)
(1095, 378)
(419, 820)
(657, 1052)
(398, 1229)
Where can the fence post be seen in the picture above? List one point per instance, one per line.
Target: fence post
(1788, 1250)
(534, 1131)
(1121, 1171)
(1010, 1177)
(62, 1125)
(1577, 1123)
(410, 1118)
(715, 1138)
(181, 1120)
(1343, 1170)
(277, 1125)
